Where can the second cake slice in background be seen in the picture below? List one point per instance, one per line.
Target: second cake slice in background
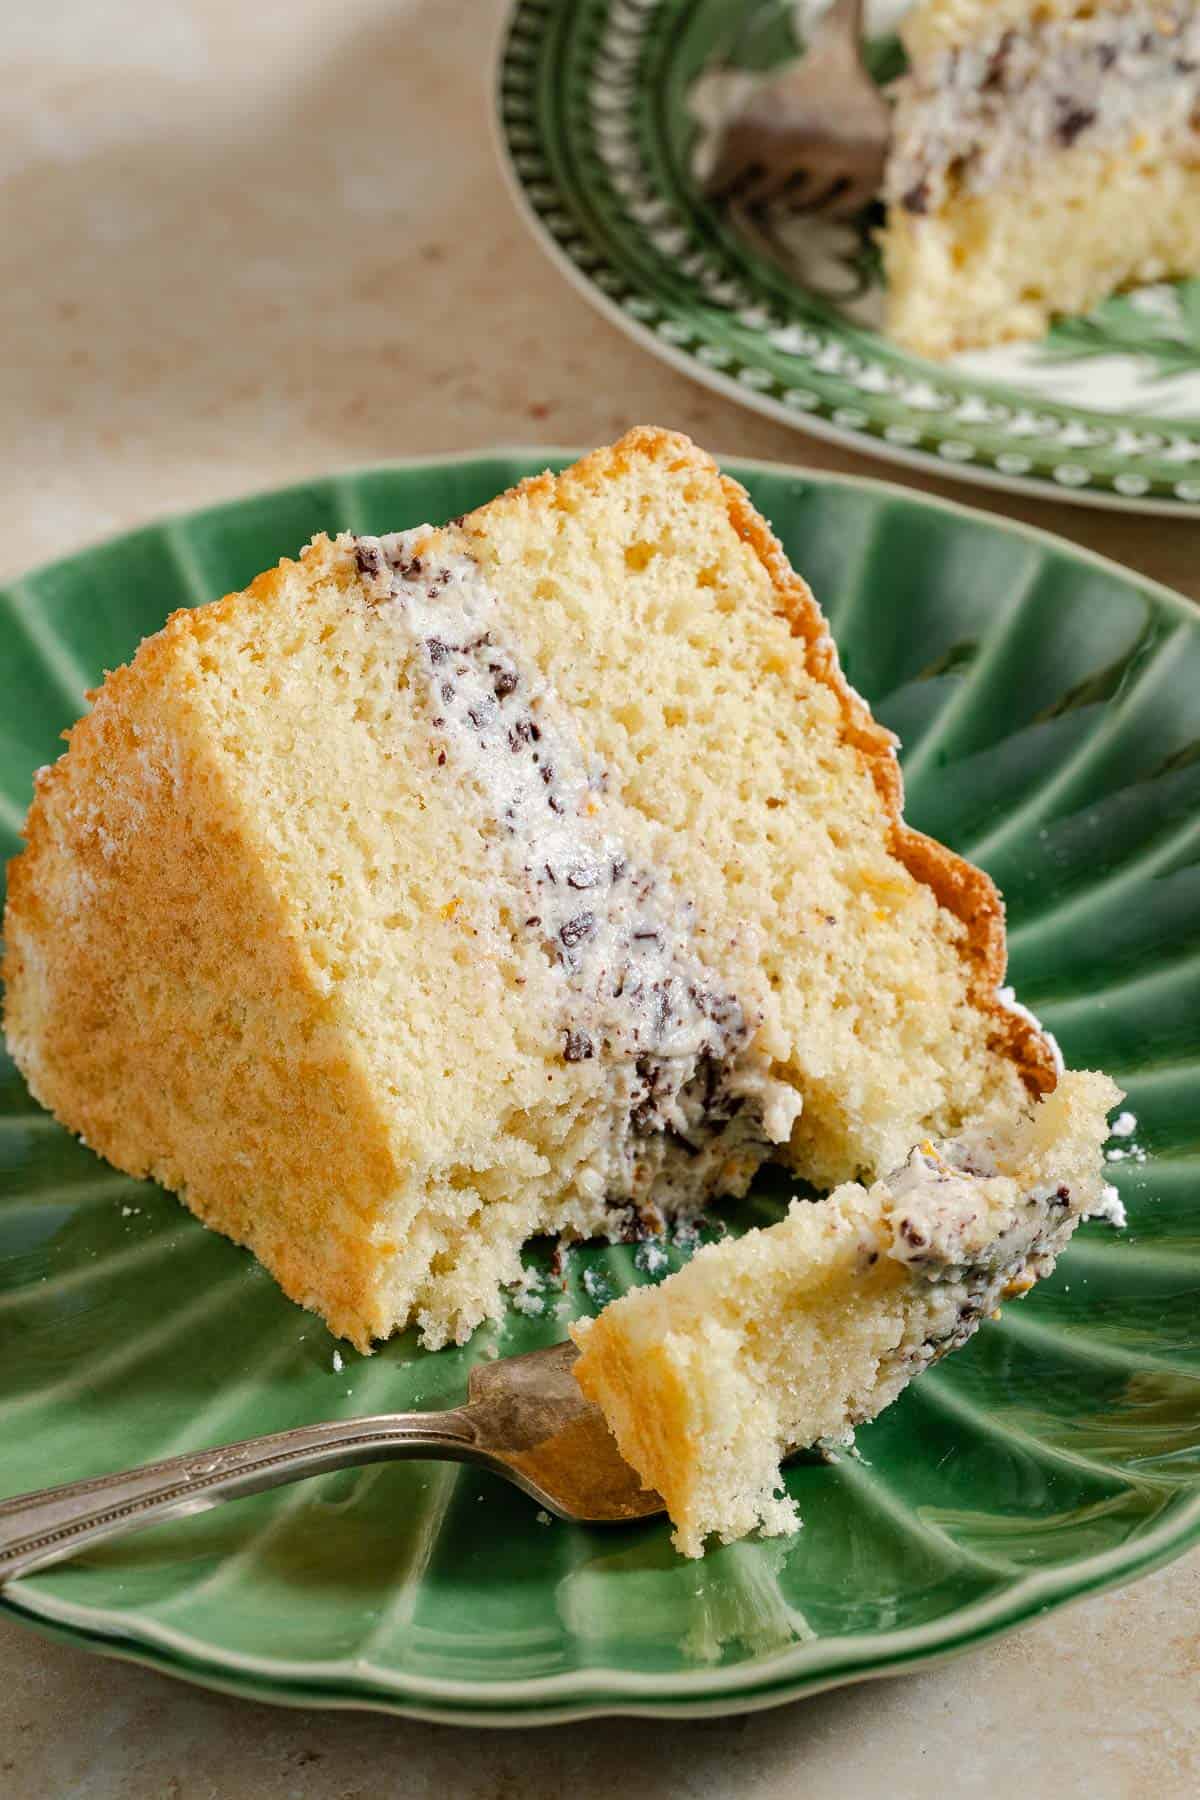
(1045, 153)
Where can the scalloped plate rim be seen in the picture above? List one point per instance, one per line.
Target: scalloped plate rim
(812, 424)
(598, 1690)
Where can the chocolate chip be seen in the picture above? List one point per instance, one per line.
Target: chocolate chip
(575, 930)
(368, 558)
(438, 651)
(535, 920)
(722, 1009)
(998, 62)
(710, 1077)
(504, 681)
(1072, 121)
(482, 713)
(522, 733)
(912, 1234)
(578, 1047)
(643, 1119)
(663, 1008)
(685, 1144)
(917, 198)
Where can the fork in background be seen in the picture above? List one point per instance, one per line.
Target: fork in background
(813, 138)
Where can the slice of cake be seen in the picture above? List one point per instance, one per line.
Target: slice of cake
(794, 1335)
(1045, 153)
(539, 873)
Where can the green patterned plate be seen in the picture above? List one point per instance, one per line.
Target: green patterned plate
(603, 107)
(1050, 709)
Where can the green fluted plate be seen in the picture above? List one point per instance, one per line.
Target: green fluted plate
(603, 111)
(1049, 705)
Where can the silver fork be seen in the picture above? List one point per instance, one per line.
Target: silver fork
(815, 136)
(525, 1418)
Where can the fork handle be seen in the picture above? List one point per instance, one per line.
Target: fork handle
(41, 1527)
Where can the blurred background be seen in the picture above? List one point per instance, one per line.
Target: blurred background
(246, 244)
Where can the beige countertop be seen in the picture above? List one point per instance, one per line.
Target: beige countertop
(246, 244)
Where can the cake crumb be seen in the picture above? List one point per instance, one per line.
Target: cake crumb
(543, 1517)
(1124, 1125)
(526, 1295)
(596, 1287)
(338, 1364)
(650, 1257)
(686, 1234)
(1134, 1153)
(1110, 1207)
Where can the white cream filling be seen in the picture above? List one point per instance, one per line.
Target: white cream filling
(691, 1107)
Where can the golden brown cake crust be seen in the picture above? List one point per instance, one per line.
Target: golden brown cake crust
(114, 1018)
(957, 885)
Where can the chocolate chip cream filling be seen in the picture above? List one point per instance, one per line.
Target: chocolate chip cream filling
(690, 1108)
(976, 117)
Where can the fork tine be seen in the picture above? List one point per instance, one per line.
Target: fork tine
(734, 179)
(860, 194)
(764, 237)
(823, 198)
(821, 110)
(785, 187)
(761, 191)
(754, 228)
(794, 184)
